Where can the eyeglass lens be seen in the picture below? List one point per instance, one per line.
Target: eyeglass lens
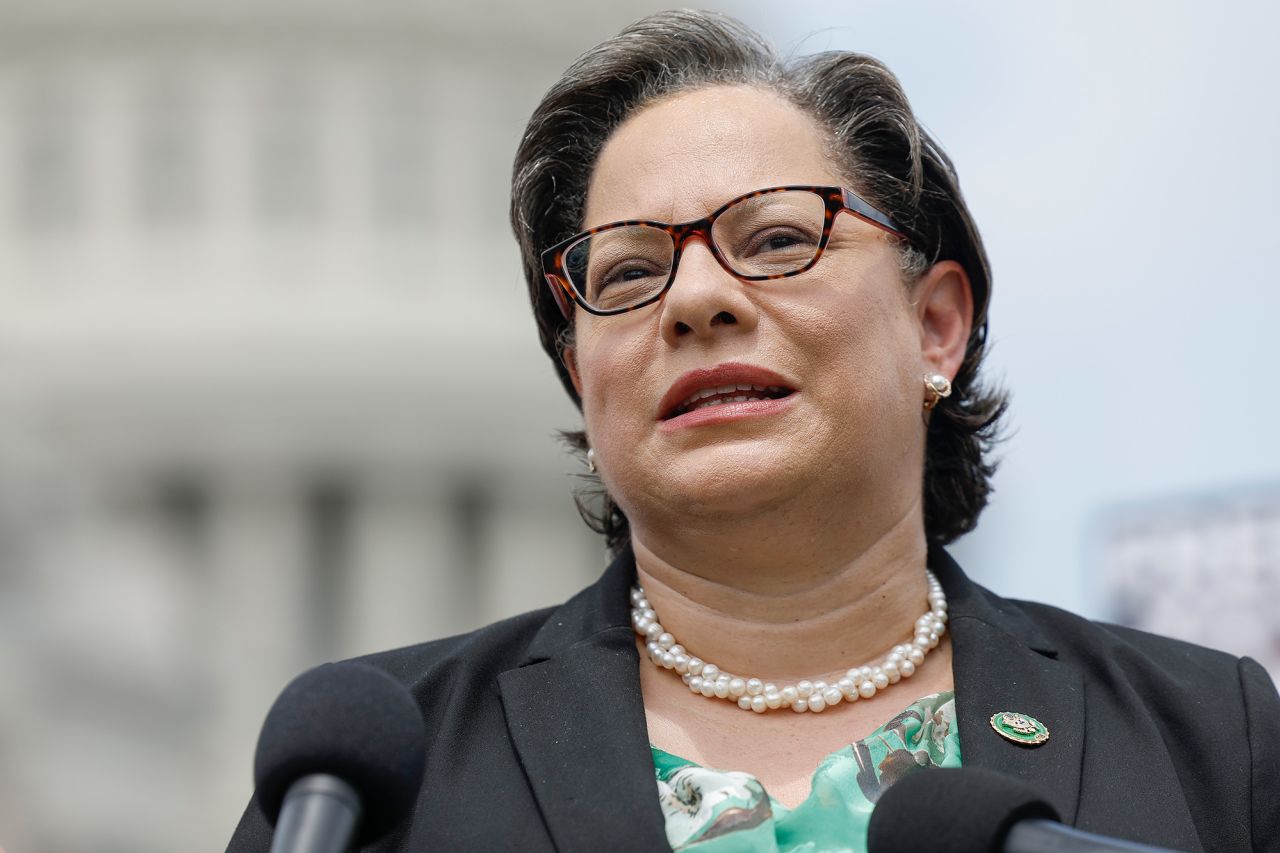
(763, 235)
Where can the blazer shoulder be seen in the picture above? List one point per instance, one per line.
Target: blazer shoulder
(1141, 655)
(1219, 715)
(474, 655)
(454, 682)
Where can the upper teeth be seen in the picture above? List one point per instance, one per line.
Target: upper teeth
(755, 392)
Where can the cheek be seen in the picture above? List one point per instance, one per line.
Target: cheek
(613, 369)
(865, 340)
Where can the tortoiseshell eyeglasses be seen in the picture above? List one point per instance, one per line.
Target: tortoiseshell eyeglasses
(760, 236)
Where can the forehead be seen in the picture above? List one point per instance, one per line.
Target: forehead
(682, 157)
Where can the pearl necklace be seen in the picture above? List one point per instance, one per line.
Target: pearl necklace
(754, 694)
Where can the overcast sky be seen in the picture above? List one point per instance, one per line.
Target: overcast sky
(1121, 159)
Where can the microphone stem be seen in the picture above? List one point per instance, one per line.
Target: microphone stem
(1047, 836)
(319, 815)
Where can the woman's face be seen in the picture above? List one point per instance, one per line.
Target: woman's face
(844, 337)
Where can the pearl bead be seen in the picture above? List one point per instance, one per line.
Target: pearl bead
(860, 682)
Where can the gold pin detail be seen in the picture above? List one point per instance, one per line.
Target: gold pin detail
(1019, 728)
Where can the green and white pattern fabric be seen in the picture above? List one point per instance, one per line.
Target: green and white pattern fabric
(717, 811)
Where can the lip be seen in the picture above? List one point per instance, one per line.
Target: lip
(728, 373)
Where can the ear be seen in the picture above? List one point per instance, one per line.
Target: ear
(943, 301)
(569, 358)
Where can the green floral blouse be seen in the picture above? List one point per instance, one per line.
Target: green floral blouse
(716, 811)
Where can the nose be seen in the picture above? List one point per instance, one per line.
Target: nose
(705, 300)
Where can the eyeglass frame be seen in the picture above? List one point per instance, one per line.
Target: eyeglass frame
(836, 200)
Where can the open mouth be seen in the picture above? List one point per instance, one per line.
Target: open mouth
(719, 396)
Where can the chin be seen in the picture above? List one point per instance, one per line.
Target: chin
(732, 479)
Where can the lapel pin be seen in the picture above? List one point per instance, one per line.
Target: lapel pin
(1019, 728)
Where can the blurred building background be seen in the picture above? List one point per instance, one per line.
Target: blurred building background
(1205, 569)
(270, 395)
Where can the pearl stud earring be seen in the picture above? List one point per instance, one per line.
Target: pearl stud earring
(936, 387)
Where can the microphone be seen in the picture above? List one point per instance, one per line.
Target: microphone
(975, 810)
(340, 758)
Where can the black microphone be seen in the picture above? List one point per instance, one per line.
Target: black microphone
(339, 760)
(975, 810)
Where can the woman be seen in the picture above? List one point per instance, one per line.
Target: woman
(780, 396)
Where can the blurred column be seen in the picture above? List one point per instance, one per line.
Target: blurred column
(414, 576)
(256, 621)
(536, 559)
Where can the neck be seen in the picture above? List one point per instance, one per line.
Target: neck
(789, 606)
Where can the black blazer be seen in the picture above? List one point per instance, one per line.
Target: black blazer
(537, 738)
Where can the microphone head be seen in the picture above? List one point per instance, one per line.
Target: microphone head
(349, 720)
(952, 810)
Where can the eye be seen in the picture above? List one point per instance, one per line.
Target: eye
(635, 269)
(779, 239)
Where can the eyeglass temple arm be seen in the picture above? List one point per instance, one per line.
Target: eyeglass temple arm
(560, 291)
(870, 214)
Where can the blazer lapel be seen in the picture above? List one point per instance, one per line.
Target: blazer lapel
(576, 716)
(1002, 662)
(993, 673)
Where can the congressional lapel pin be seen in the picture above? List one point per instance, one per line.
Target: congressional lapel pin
(1019, 728)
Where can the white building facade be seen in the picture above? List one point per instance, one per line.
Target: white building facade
(270, 392)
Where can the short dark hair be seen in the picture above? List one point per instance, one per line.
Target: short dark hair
(874, 137)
